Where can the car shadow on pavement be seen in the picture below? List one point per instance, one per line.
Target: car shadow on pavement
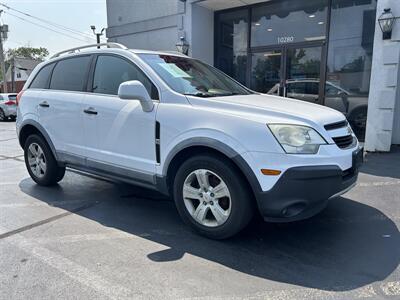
(347, 246)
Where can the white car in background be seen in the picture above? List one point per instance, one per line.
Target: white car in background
(8, 106)
(177, 125)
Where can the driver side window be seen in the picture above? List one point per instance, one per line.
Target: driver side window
(111, 71)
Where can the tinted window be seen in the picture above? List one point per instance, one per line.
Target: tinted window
(297, 88)
(312, 88)
(41, 80)
(70, 74)
(111, 71)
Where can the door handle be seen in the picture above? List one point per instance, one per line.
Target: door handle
(90, 111)
(44, 104)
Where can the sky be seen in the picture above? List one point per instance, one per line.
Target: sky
(77, 15)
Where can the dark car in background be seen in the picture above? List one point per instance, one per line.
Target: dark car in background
(353, 106)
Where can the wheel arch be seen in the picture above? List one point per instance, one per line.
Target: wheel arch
(196, 146)
(32, 127)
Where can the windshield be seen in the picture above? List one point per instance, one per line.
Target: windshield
(192, 77)
(12, 97)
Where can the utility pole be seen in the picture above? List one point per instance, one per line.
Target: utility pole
(12, 67)
(97, 34)
(3, 37)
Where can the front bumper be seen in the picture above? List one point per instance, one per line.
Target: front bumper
(302, 192)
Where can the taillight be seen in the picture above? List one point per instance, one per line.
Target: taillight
(19, 97)
(10, 103)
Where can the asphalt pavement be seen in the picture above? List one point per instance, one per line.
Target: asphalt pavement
(89, 238)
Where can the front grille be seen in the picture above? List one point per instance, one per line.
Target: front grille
(343, 141)
(336, 125)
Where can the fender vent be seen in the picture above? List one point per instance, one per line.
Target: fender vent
(158, 154)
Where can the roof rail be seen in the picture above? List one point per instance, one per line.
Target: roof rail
(174, 52)
(77, 49)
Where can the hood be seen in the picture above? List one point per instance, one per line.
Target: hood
(269, 108)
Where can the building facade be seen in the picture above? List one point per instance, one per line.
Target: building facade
(18, 72)
(329, 52)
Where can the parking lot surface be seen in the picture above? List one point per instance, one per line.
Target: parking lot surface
(90, 238)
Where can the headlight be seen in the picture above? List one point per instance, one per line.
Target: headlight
(296, 139)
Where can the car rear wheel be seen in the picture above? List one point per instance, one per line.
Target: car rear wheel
(212, 197)
(40, 162)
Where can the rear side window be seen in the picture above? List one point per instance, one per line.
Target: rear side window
(111, 71)
(70, 74)
(41, 80)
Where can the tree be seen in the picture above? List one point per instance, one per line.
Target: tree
(28, 52)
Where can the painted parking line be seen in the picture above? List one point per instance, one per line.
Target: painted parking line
(77, 238)
(75, 271)
(46, 221)
(99, 284)
(391, 288)
(378, 183)
(45, 204)
(6, 140)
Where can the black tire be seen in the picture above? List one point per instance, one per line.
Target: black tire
(2, 116)
(54, 173)
(242, 202)
(13, 118)
(358, 118)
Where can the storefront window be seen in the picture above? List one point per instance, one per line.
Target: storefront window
(289, 21)
(350, 58)
(266, 71)
(232, 44)
(289, 54)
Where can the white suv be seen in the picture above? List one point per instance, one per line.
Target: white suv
(168, 122)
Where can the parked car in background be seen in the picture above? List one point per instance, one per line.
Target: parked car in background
(8, 107)
(177, 125)
(353, 106)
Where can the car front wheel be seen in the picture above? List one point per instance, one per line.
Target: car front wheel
(212, 197)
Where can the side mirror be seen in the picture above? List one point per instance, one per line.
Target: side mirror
(135, 90)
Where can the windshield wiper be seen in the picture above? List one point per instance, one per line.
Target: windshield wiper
(199, 94)
(208, 95)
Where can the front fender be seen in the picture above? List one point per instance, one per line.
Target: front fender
(225, 145)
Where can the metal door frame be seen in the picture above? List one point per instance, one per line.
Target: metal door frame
(283, 48)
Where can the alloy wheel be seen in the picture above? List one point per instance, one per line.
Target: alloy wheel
(37, 160)
(207, 198)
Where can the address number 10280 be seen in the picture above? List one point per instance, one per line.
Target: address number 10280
(285, 39)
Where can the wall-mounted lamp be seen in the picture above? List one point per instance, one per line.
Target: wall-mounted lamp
(386, 22)
(182, 46)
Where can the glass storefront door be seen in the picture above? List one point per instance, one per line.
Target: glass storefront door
(291, 71)
(266, 74)
(316, 50)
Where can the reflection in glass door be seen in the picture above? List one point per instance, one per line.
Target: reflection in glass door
(266, 72)
(303, 70)
(289, 72)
